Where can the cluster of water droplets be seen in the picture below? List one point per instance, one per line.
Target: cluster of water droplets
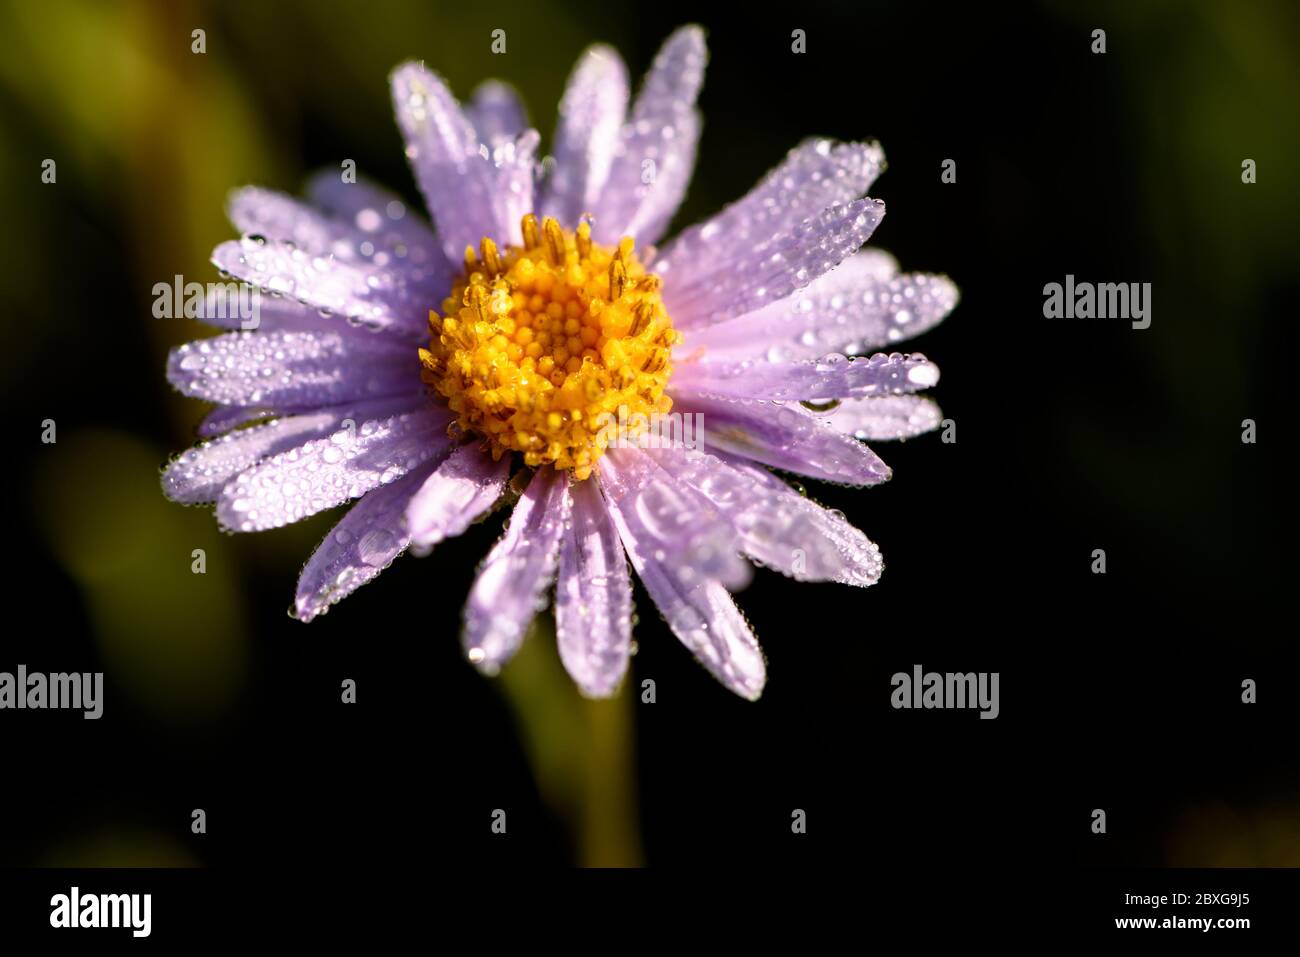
(852, 320)
(378, 233)
(777, 526)
(686, 555)
(376, 298)
(882, 417)
(324, 472)
(475, 188)
(314, 368)
(462, 488)
(837, 375)
(784, 436)
(369, 538)
(814, 175)
(511, 586)
(199, 473)
(593, 595)
(777, 267)
(662, 130)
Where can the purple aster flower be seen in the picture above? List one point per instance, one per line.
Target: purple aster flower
(525, 340)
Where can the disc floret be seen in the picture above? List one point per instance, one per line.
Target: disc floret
(538, 347)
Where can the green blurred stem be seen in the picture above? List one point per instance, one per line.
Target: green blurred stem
(581, 752)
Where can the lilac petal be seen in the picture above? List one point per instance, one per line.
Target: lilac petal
(226, 417)
(593, 597)
(814, 175)
(698, 609)
(778, 527)
(885, 417)
(377, 211)
(676, 520)
(467, 484)
(198, 474)
(292, 369)
(367, 540)
(511, 583)
(496, 113)
(830, 377)
(370, 238)
(786, 437)
(847, 310)
(374, 297)
(324, 472)
(372, 233)
(461, 180)
(587, 134)
(656, 150)
(230, 305)
(515, 171)
(776, 267)
(274, 215)
(876, 264)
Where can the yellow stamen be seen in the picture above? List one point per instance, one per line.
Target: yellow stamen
(554, 240)
(490, 258)
(532, 232)
(546, 348)
(617, 278)
(583, 240)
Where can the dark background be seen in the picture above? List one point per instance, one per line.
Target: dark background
(1118, 691)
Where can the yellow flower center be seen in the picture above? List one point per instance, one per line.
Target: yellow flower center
(549, 348)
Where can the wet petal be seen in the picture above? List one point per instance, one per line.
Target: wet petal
(830, 377)
(359, 547)
(655, 154)
(462, 181)
(698, 609)
(379, 240)
(884, 417)
(675, 521)
(458, 492)
(847, 310)
(593, 596)
(266, 212)
(587, 134)
(515, 171)
(378, 211)
(198, 474)
(226, 417)
(786, 437)
(511, 584)
(240, 306)
(496, 112)
(325, 472)
(292, 369)
(772, 270)
(374, 297)
(778, 527)
(874, 263)
(814, 175)
(371, 235)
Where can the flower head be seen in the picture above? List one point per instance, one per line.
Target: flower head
(533, 335)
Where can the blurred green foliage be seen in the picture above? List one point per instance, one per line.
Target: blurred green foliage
(176, 640)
